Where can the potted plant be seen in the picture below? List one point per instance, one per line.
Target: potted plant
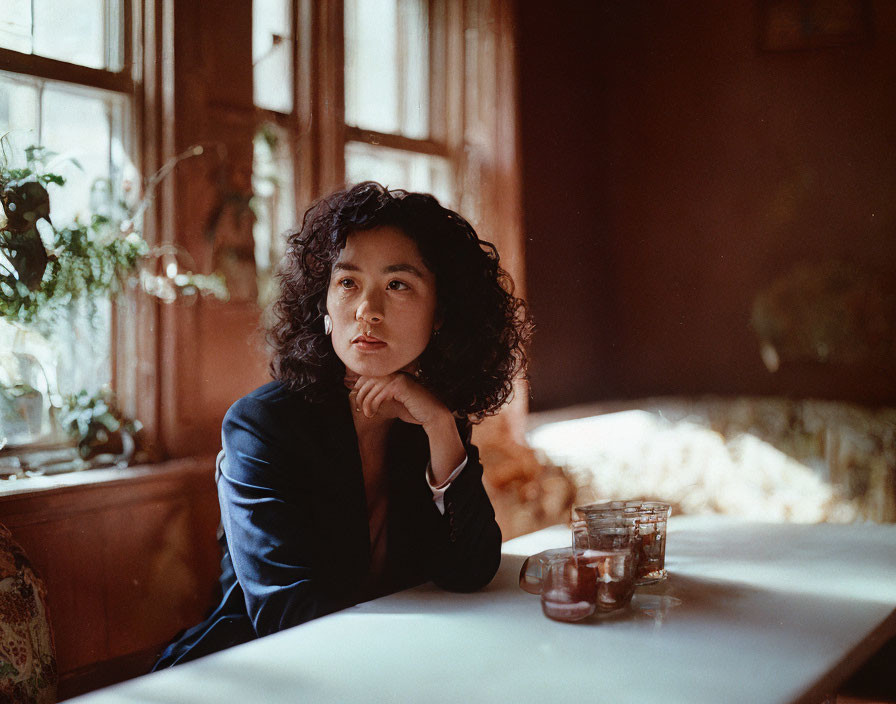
(58, 281)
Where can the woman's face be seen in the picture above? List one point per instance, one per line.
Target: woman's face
(382, 300)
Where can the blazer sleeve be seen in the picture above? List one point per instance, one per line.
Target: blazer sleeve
(470, 539)
(263, 519)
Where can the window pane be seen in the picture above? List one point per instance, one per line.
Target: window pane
(273, 203)
(40, 364)
(387, 66)
(272, 54)
(24, 387)
(399, 169)
(83, 348)
(19, 101)
(84, 32)
(70, 31)
(413, 37)
(78, 127)
(15, 25)
(38, 369)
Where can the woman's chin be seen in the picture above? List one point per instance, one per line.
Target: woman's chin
(370, 368)
(379, 363)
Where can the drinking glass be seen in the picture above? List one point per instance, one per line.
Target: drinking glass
(613, 525)
(569, 588)
(615, 570)
(652, 521)
(533, 569)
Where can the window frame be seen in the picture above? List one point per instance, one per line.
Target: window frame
(289, 123)
(121, 80)
(473, 112)
(134, 349)
(446, 95)
(317, 120)
(152, 370)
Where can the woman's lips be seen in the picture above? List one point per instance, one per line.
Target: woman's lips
(368, 342)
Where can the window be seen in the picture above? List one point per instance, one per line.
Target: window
(347, 91)
(273, 167)
(394, 73)
(83, 32)
(65, 89)
(273, 203)
(433, 111)
(272, 55)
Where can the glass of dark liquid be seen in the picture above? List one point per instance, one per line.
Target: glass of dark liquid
(646, 521)
(615, 571)
(653, 518)
(613, 549)
(569, 588)
(534, 567)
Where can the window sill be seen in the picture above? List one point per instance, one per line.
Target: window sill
(135, 474)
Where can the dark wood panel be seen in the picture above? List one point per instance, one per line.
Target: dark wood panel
(657, 209)
(67, 554)
(127, 565)
(150, 580)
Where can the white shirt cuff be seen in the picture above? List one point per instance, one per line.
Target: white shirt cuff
(438, 492)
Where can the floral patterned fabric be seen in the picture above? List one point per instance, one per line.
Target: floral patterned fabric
(27, 653)
(761, 458)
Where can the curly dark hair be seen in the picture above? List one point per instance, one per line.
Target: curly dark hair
(480, 347)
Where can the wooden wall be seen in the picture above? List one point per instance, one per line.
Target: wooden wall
(211, 353)
(671, 170)
(127, 564)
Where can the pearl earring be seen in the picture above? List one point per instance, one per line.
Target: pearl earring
(328, 324)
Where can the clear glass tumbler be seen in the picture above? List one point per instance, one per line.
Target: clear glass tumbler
(653, 519)
(533, 569)
(569, 588)
(616, 570)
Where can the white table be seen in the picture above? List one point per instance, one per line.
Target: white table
(751, 612)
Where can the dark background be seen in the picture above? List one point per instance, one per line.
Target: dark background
(672, 169)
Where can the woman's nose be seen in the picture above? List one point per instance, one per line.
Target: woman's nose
(370, 310)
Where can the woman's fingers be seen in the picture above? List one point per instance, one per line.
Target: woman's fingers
(365, 389)
(370, 393)
(395, 395)
(362, 389)
(377, 396)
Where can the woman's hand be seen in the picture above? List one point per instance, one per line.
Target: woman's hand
(399, 396)
(396, 395)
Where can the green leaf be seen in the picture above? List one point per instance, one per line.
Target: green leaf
(52, 178)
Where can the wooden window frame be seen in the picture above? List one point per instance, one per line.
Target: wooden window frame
(122, 80)
(141, 77)
(319, 99)
(445, 67)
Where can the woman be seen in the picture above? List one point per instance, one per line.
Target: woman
(352, 475)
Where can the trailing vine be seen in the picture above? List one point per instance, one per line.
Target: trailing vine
(44, 268)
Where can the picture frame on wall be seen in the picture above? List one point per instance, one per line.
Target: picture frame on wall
(792, 25)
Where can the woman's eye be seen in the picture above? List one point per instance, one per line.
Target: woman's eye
(397, 285)
(346, 283)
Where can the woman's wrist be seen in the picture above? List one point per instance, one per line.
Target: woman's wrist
(446, 450)
(440, 422)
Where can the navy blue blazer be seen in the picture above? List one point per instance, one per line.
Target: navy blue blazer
(294, 529)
